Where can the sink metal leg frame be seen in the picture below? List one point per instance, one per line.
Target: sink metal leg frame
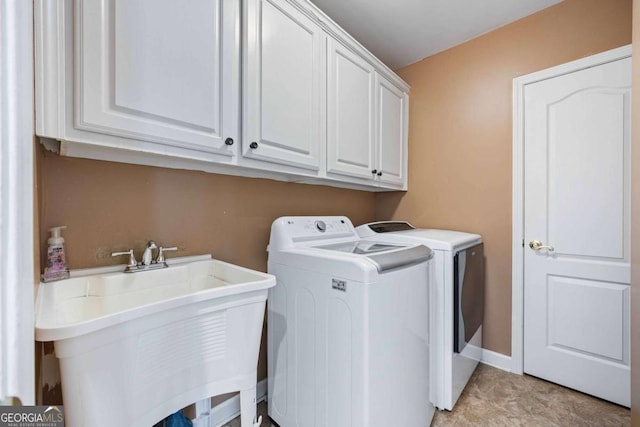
(248, 408)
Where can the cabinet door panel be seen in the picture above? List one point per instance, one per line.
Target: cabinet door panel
(158, 71)
(283, 71)
(391, 136)
(350, 109)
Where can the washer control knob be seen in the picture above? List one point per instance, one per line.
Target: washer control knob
(321, 226)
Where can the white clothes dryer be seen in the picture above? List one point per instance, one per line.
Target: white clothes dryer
(458, 303)
(348, 327)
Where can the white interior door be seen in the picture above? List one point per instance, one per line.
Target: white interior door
(576, 200)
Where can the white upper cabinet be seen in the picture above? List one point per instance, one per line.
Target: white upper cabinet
(367, 120)
(284, 91)
(137, 77)
(260, 88)
(147, 70)
(350, 113)
(391, 132)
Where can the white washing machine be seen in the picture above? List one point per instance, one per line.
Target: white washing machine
(348, 327)
(458, 303)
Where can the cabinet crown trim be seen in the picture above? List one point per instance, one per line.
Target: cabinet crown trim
(333, 29)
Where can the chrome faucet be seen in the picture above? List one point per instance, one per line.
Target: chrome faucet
(147, 255)
(161, 259)
(132, 259)
(146, 263)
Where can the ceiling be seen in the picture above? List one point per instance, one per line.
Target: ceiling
(401, 32)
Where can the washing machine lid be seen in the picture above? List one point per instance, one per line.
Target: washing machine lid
(361, 247)
(383, 255)
(404, 232)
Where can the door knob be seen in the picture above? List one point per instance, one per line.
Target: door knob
(536, 245)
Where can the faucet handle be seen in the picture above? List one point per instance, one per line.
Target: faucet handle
(132, 258)
(161, 252)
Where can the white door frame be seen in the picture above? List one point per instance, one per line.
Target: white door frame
(17, 368)
(518, 248)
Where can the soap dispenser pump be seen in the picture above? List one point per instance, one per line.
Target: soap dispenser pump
(56, 268)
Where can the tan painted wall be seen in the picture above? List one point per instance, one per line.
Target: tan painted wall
(460, 131)
(111, 207)
(635, 222)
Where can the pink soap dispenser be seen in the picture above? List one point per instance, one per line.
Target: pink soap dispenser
(56, 268)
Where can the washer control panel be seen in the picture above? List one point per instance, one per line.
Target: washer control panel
(310, 228)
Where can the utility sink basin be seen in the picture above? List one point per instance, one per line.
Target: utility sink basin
(77, 306)
(136, 347)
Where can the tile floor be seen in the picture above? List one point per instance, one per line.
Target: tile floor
(497, 398)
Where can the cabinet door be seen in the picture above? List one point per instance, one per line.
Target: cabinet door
(283, 72)
(391, 131)
(163, 71)
(350, 113)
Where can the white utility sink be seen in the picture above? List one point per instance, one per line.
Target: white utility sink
(136, 347)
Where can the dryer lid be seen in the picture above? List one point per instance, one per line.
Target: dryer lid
(403, 232)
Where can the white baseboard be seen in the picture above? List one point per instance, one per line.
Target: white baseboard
(230, 408)
(497, 360)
